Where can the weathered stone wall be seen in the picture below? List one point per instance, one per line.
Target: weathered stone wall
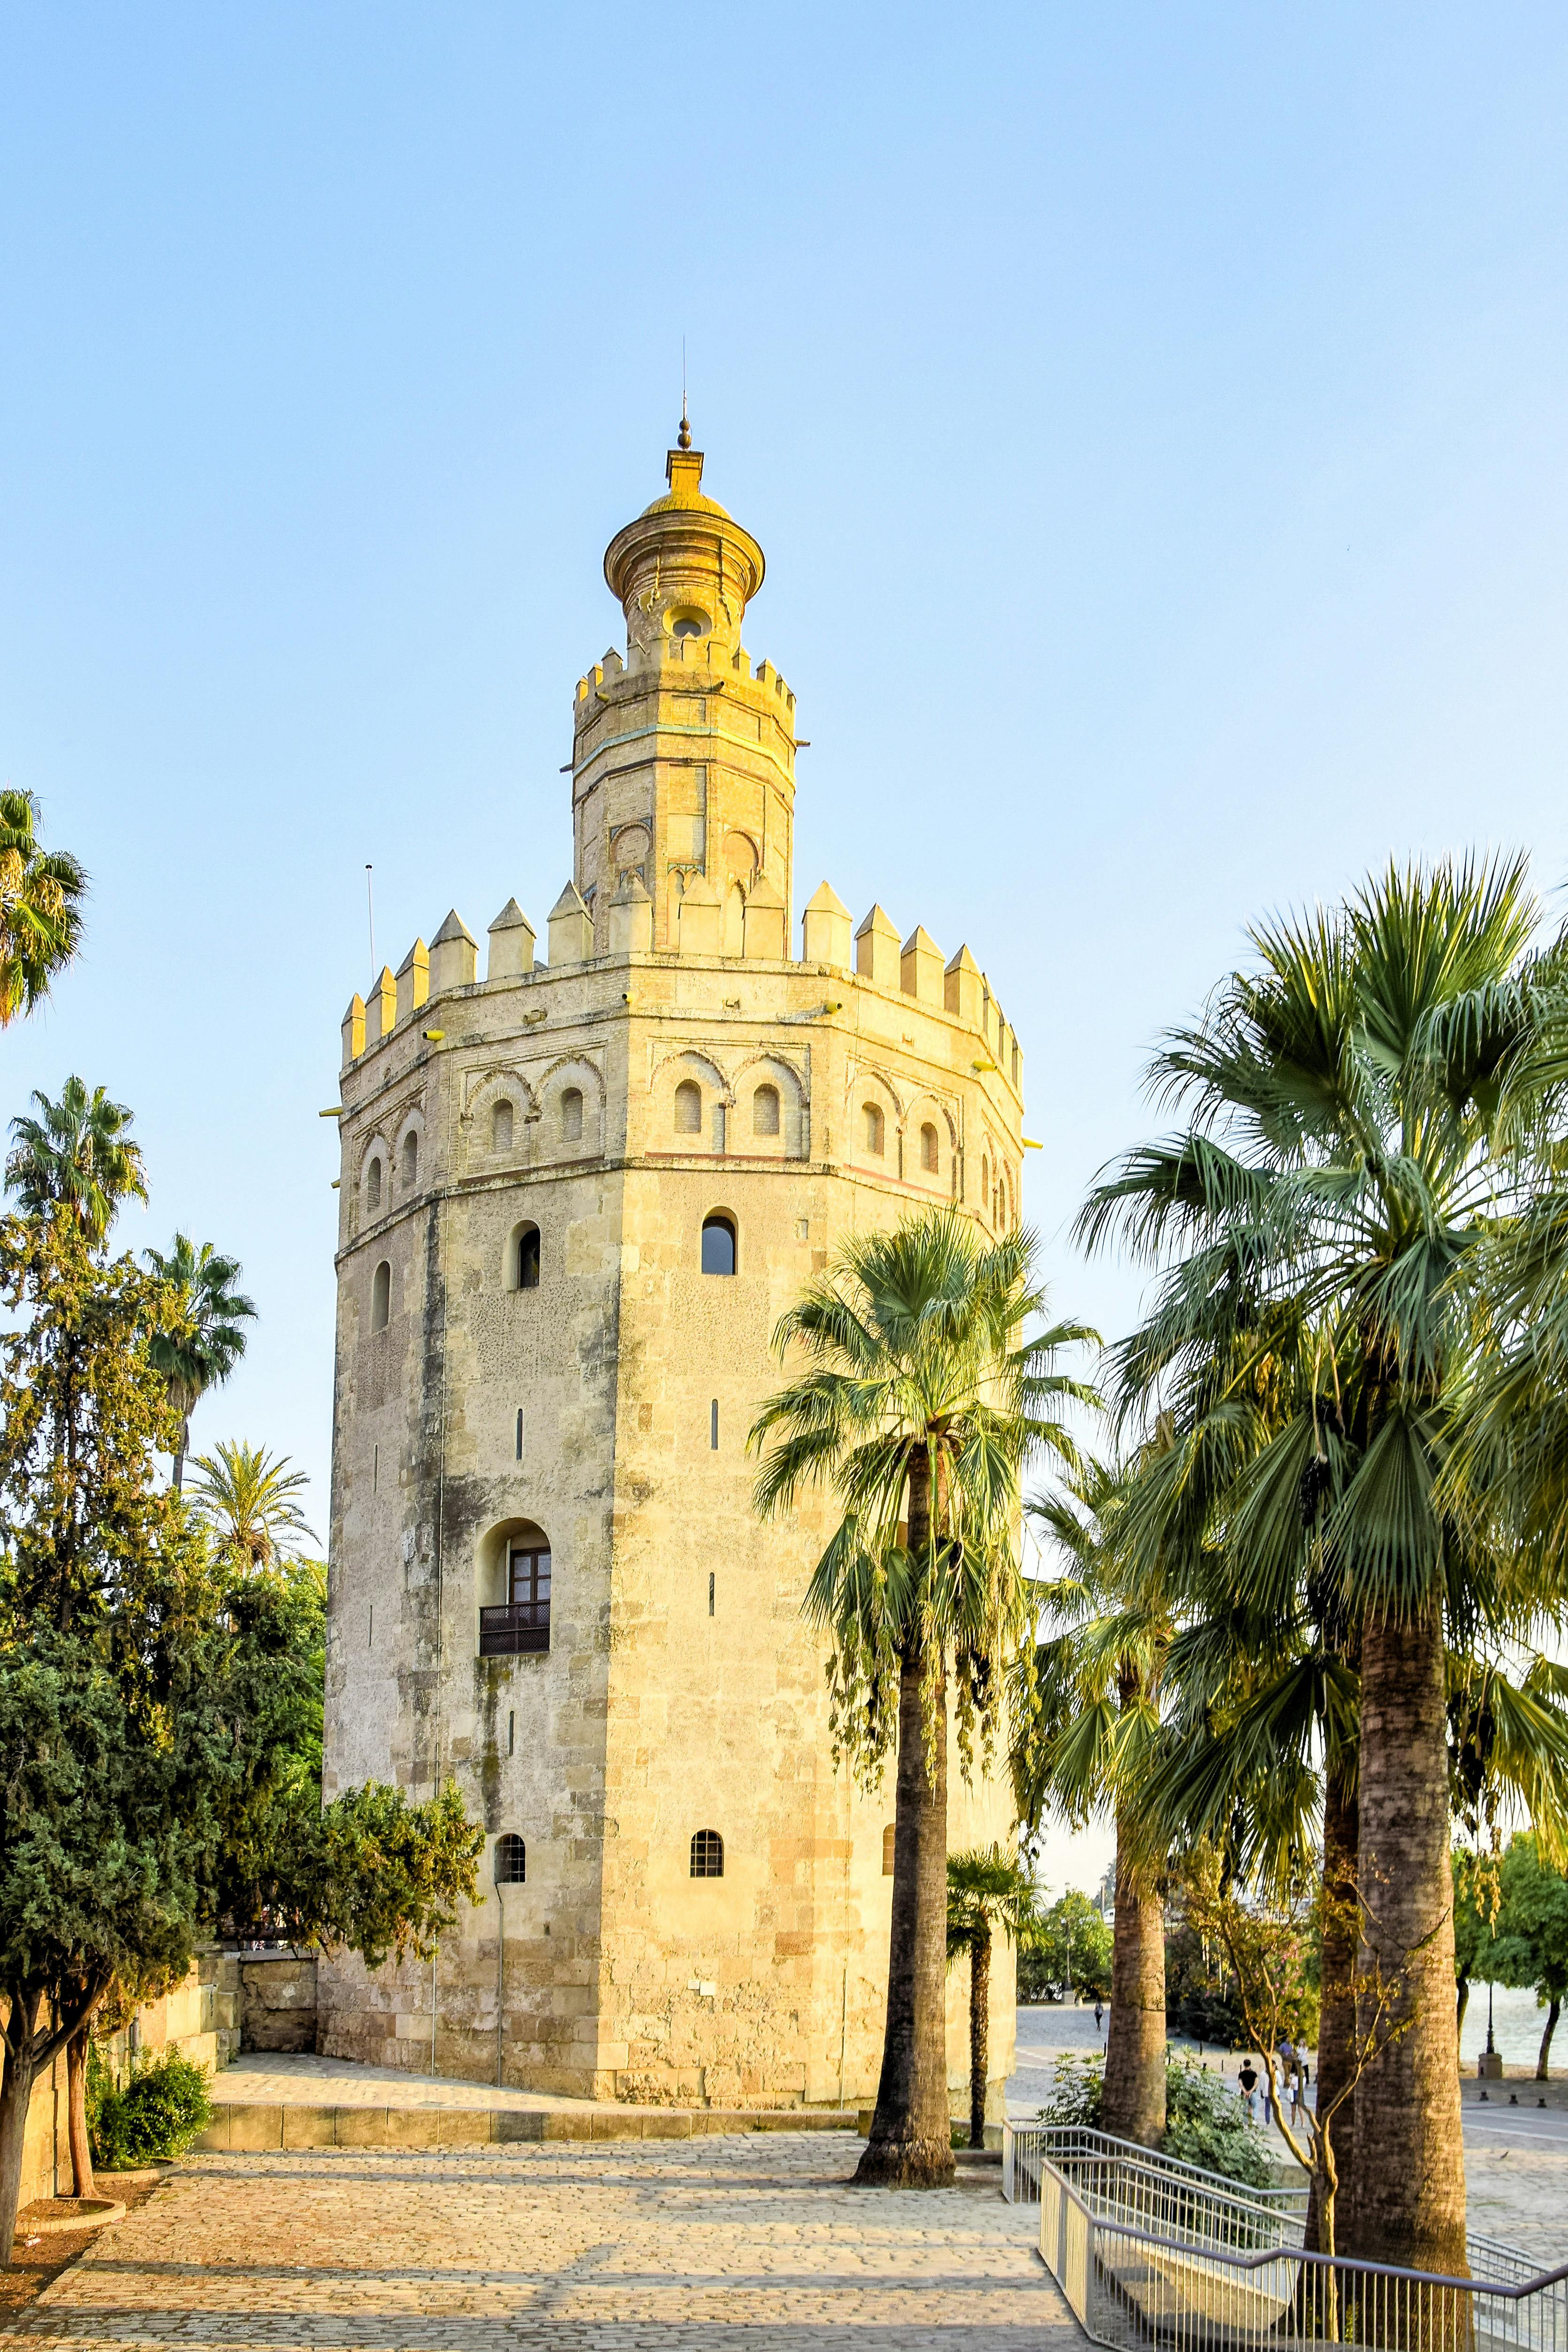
(200, 2019)
(278, 2001)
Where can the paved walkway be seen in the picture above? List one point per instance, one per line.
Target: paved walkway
(629, 2248)
(265, 2078)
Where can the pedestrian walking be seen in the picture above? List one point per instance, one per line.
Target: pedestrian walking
(1247, 2078)
(1098, 2012)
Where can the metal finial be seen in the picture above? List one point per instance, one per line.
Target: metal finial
(683, 438)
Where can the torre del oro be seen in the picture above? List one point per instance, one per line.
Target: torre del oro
(577, 1191)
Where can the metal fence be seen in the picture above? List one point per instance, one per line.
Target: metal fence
(1155, 2258)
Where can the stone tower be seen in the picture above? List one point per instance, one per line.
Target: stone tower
(577, 1195)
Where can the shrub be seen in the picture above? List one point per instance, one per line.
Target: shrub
(155, 2116)
(1206, 2123)
(1076, 2091)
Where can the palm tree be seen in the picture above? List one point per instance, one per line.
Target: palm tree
(987, 1890)
(918, 1404)
(1345, 1107)
(209, 1343)
(76, 1152)
(1085, 1732)
(40, 917)
(247, 1500)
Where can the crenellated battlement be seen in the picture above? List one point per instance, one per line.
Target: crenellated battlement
(869, 955)
(684, 652)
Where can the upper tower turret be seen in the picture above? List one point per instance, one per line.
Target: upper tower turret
(684, 570)
(683, 763)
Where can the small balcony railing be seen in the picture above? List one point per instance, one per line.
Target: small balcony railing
(514, 1629)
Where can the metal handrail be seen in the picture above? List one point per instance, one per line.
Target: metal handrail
(1130, 2286)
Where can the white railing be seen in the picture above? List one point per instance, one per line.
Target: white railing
(1211, 2271)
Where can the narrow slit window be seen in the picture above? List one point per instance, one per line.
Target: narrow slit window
(372, 1186)
(500, 1127)
(522, 1259)
(511, 1731)
(873, 1128)
(706, 1855)
(519, 1433)
(718, 1245)
(765, 1111)
(711, 1592)
(410, 1161)
(930, 1159)
(572, 1115)
(381, 1297)
(713, 1425)
(689, 1107)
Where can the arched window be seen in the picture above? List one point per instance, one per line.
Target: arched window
(717, 1244)
(512, 1861)
(571, 1115)
(887, 1850)
(873, 1128)
(519, 1625)
(380, 1297)
(689, 1107)
(706, 1855)
(500, 1127)
(410, 1159)
(522, 1258)
(372, 1186)
(985, 1184)
(930, 1159)
(765, 1111)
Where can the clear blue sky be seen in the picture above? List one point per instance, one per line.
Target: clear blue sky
(1154, 416)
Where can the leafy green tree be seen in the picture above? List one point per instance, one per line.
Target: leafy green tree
(212, 1340)
(1531, 1945)
(1070, 1944)
(1344, 1101)
(76, 1152)
(41, 892)
(246, 1497)
(988, 1892)
(918, 1405)
(145, 1695)
(101, 1604)
(371, 1870)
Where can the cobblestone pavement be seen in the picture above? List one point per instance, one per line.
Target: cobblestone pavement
(624, 2249)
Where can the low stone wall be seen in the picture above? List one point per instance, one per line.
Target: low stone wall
(200, 2019)
(278, 2001)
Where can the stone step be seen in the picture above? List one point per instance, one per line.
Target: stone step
(253, 2127)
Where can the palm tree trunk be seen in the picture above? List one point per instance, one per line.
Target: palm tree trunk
(1336, 2028)
(76, 2112)
(1133, 2107)
(979, 2033)
(1408, 2202)
(911, 2146)
(1555, 2010)
(181, 1451)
